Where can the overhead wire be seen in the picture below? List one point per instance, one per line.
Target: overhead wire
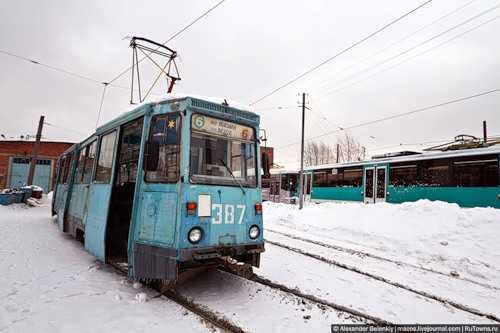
(399, 115)
(177, 34)
(146, 56)
(408, 50)
(409, 59)
(51, 67)
(106, 84)
(340, 53)
(387, 47)
(65, 129)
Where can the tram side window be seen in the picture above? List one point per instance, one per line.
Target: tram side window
(129, 152)
(353, 178)
(435, 173)
(68, 167)
(476, 174)
(105, 161)
(319, 179)
(345, 178)
(63, 171)
(86, 159)
(403, 175)
(166, 129)
(275, 185)
(266, 182)
(289, 182)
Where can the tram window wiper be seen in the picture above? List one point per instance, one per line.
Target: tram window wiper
(231, 173)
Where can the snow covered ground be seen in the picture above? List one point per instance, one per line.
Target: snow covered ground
(423, 262)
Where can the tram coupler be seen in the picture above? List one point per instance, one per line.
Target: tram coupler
(240, 268)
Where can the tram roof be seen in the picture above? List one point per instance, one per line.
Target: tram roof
(280, 171)
(137, 110)
(427, 155)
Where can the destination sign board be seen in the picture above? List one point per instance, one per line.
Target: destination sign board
(221, 127)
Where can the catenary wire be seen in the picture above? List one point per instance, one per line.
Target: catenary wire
(340, 53)
(406, 60)
(412, 48)
(65, 129)
(385, 48)
(177, 34)
(51, 67)
(399, 115)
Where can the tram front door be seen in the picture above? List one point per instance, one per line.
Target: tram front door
(375, 184)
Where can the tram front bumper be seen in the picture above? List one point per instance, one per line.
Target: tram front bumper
(220, 251)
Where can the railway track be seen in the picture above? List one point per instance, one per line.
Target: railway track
(336, 263)
(221, 322)
(218, 318)
(354, 314)
(207, 316)
(362, 254)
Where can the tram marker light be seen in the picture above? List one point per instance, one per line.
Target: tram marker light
(258, 209)
(191, 208)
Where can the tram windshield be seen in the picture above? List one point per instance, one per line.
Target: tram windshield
(222, 153)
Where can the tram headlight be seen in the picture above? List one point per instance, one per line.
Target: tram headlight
(254, 232)
(194, 235)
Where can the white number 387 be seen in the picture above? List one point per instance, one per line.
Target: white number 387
(227, 214)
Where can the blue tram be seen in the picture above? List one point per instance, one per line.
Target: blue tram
(468, 177)
(169, 187)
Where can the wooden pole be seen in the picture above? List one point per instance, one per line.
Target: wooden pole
(35, 152)
(301, 178)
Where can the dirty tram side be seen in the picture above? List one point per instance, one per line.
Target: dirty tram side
(170, 188)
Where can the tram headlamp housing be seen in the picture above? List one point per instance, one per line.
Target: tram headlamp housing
(194, 235)
(254, 232)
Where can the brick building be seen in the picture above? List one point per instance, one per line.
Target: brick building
(15, 158)
(270, 153)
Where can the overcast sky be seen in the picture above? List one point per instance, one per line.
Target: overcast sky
(243, 50)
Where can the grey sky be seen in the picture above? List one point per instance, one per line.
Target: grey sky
(243, 50)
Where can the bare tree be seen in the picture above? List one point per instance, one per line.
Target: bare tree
(350, 149)
(315, 154)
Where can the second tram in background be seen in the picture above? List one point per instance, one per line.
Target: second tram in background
(282, 185)
(468, 177)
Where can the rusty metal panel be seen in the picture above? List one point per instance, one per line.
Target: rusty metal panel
(157, 218)
(151, 262)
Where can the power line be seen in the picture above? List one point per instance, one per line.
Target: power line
(177, 34)
(406, 51)
(340, 53)
(51, 67)
(46, 123)
(110, 82)
(102, 102)
(386, 48)
(398, 115)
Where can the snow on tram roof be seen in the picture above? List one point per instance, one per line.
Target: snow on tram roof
(179, 96)
(426, 155)
(280, 171)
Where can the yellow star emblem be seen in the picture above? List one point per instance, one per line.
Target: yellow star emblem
(171, 124)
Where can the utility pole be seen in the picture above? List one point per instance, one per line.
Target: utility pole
(35, 152)
(301, 179)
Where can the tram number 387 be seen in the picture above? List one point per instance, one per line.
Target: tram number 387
(227, 214)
